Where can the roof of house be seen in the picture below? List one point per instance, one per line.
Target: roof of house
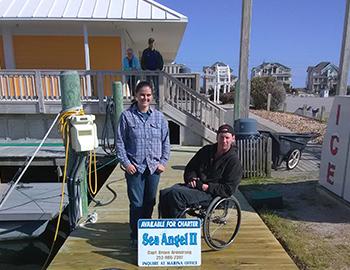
(134, 20)
(219, 63)
(101, 10)
(320, 66)
(273, 63)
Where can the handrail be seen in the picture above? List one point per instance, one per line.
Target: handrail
(189, 90)
(192, 103)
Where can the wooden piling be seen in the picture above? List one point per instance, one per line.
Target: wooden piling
(70, 90)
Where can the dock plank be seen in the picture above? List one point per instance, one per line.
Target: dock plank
(105, 244)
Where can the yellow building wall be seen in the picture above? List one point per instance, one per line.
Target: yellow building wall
(49, 52)
(2, 58)
(67, 52)
(105, 54)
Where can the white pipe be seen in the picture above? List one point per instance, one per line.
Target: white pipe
(87, 59)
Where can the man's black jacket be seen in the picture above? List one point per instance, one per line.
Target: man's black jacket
(222, 175)
(151, 59)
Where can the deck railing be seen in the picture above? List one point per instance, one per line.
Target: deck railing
(42, 89)
(36, 91)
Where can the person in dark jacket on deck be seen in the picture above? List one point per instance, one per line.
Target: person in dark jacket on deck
(152, 60)
(215, 170)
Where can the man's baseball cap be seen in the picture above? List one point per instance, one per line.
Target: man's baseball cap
(150, 40)
(225, 128)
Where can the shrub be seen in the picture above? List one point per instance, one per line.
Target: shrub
(227, 98)
(261, 87)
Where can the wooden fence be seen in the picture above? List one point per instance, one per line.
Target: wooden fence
(255, 156)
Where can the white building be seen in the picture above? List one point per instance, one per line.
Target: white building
(218, 77)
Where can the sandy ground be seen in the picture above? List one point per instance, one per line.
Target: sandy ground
(320, 218)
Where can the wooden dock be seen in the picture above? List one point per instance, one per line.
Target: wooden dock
(105, 244)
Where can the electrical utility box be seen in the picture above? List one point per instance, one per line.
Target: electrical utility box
(83, 133)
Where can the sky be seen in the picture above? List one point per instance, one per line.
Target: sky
(295, 33)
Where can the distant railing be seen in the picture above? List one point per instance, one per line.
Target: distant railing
(191, 80)
(255, 156)
(24, 84)
(42, 87)
(181, 72)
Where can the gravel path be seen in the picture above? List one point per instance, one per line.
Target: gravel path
(295, 123)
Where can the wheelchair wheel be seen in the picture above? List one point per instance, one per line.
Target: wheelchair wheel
(222, 222)
(293, 159)
(185, 213)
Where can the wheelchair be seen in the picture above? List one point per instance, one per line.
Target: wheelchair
(221, 220)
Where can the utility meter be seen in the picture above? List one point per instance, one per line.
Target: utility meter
(83, 133)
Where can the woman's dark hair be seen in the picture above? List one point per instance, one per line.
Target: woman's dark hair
(142, 84)
(139, 86)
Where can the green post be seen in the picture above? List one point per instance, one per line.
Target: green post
(70, 91)
(118, 100)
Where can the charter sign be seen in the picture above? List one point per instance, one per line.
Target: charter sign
(169, 242)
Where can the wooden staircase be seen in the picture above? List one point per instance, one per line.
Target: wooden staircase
(188, 108)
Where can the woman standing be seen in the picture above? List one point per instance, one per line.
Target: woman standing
(131, 63)
(143, 149)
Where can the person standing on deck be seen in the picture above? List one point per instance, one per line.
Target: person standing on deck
(143, 149)
(152, 60)
(131, 63)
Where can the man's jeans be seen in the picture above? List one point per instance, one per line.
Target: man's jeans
(173, 200)
(155, 81)
(142, 190)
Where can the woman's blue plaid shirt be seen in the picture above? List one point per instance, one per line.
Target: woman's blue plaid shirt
(144, 143)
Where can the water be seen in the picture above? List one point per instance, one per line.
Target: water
(32, 253)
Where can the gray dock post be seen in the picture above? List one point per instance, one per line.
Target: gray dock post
(70, 90)
(344, 54)
(304, 109)
(322, 113)
(284, 107)
(268, 101)
(244, 88)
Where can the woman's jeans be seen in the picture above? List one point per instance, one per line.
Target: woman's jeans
(142, 190)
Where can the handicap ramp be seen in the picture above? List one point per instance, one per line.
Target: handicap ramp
(105, 244)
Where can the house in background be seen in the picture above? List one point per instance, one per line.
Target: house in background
(217, 73)
(280, 72)
(322, 78)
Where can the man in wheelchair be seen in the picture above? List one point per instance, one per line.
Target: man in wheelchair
(215, 170)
